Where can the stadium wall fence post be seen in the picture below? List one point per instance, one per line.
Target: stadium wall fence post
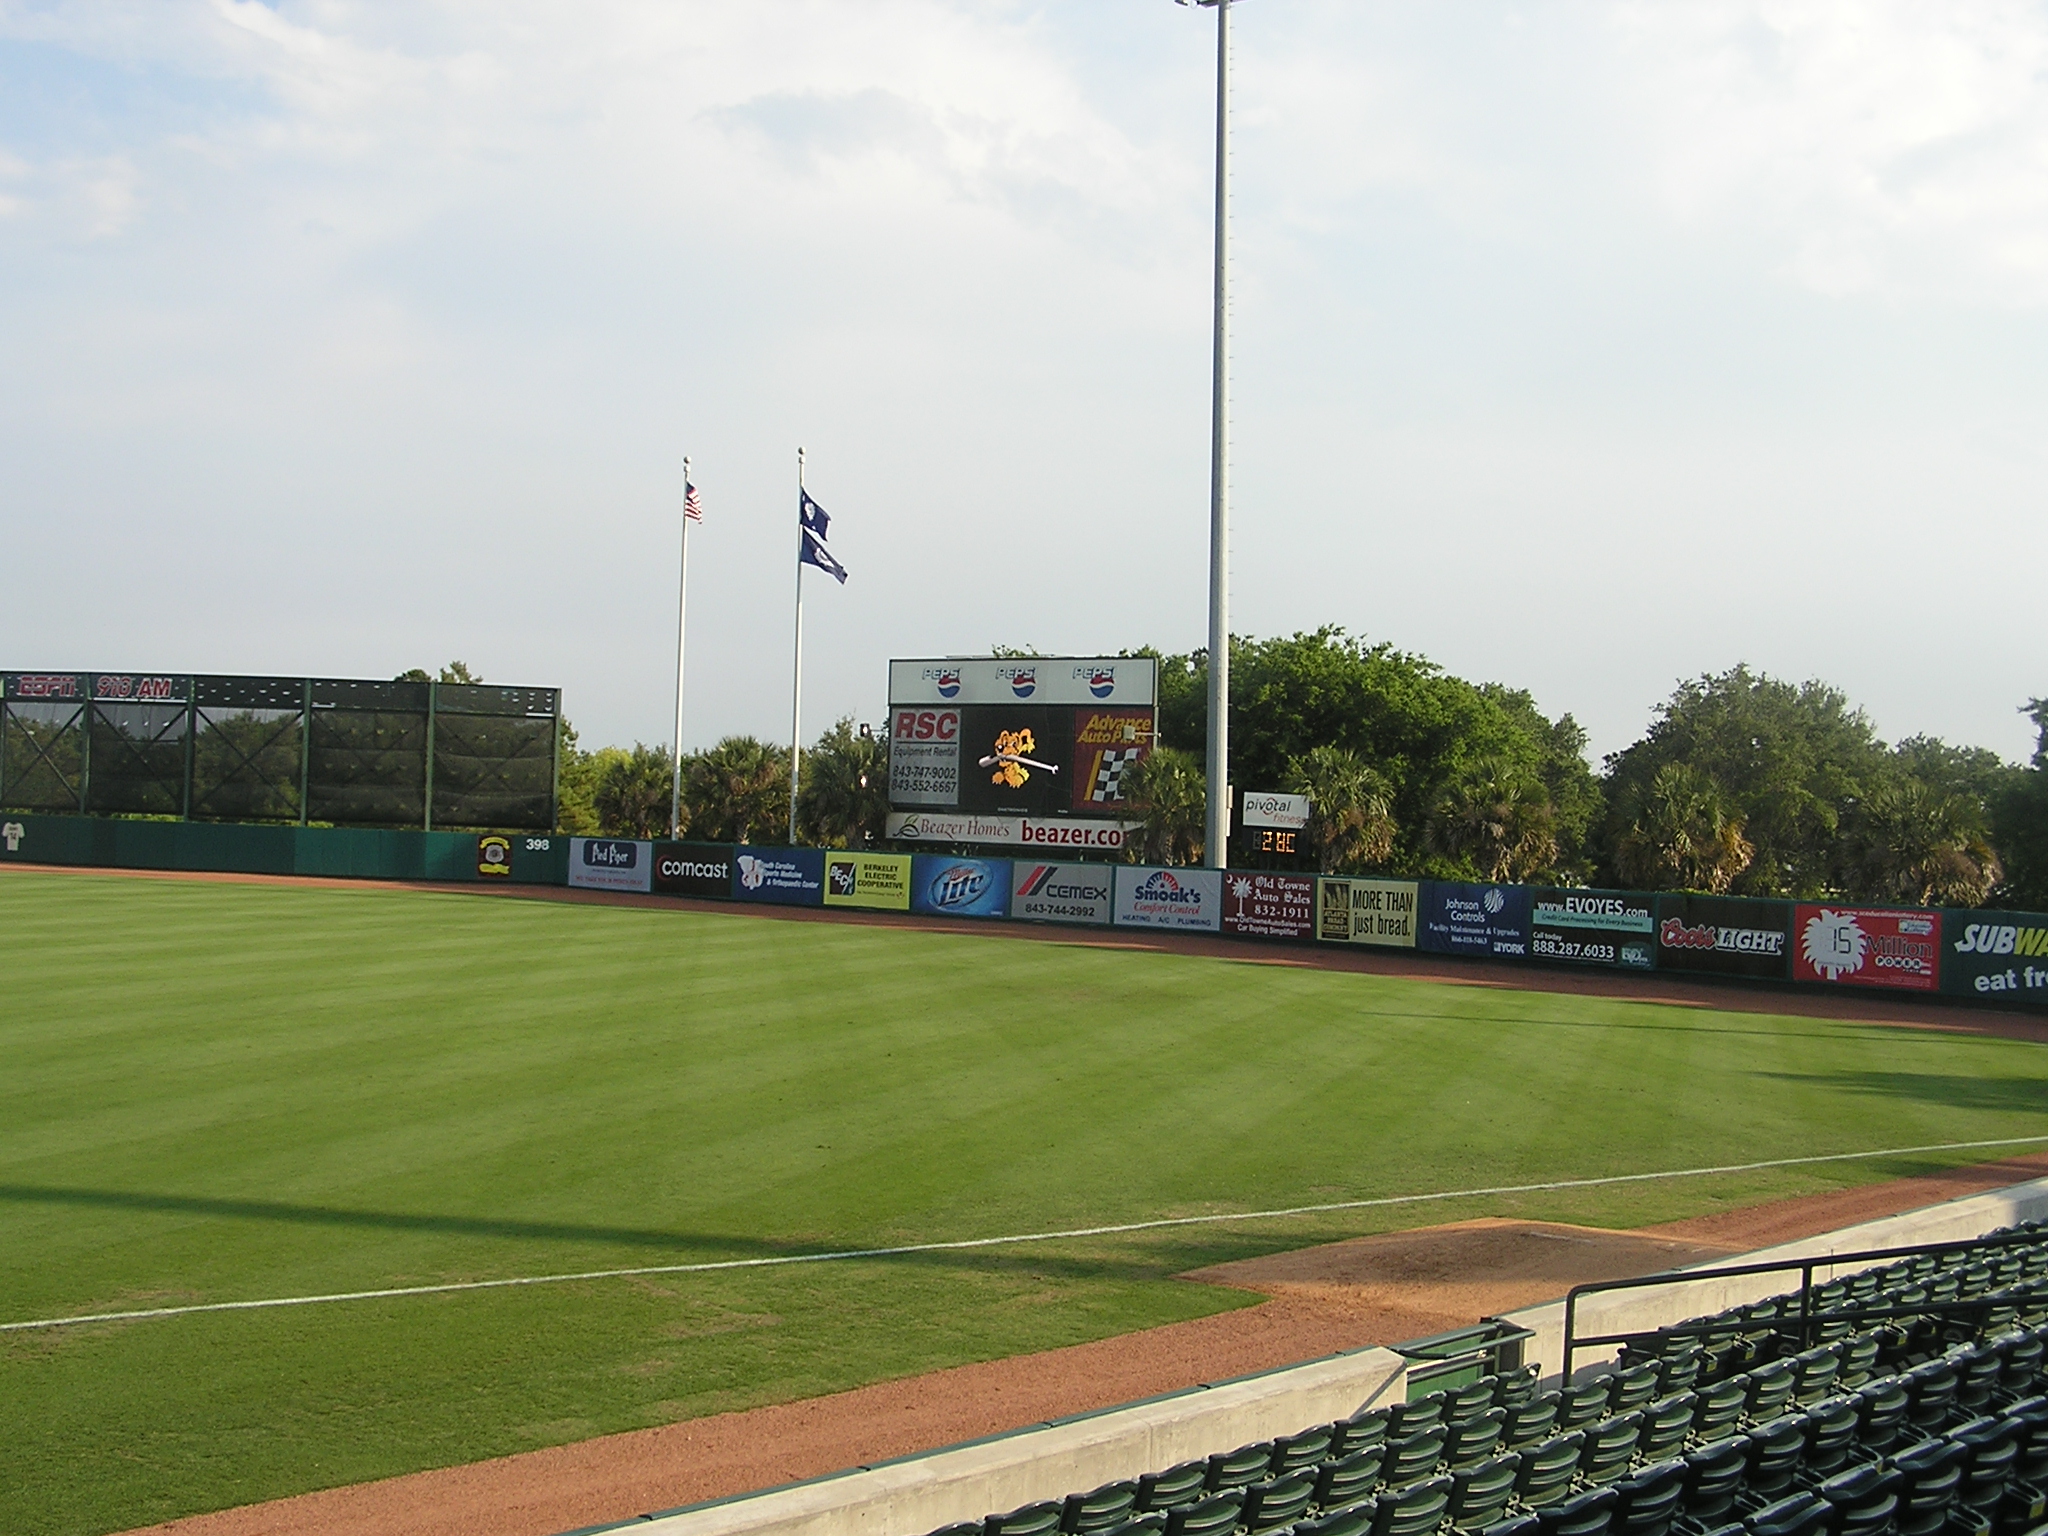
(305, 750)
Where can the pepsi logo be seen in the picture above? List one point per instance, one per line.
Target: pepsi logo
(948, 684)
(1102, 682)
(1024, 682)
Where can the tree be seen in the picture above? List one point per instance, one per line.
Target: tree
(630, 791)
(738, 792)
(1910, 843)
(1678, 831)
(575, 784)
(1169, 796)
(1351, 821)
(843, 800)
(1498, 816)
(2019, 820)
(1787, 762)
(454, 672)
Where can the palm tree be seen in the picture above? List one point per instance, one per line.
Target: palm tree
(1679, 831)
(1499, 816)
(844, 799)
(738, 792)
(630, 791)
(1351, 820)
(1168, 792)
(1910, 843)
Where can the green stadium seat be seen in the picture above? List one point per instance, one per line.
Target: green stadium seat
(1515, 1525)
(1240, 1468)
(1548, 1469)
(1349, 1478)
(1086, 1514)
(1774, 1452)
(1530, 1420)
(1582, 1402)
(1516, 1386)
(1881, 1407)
(1932, 1387)
(1480, 1492)
(1412, 1511)
(1292, 1453)
(1993, 1446)
(1803, 1514)
(1356, 1521)
(1679, 1371)
(1609, 1447)
(1932, 1473)
(1814, 1373)
(1633, 1388)
(1031, 1520)
(1866, 1499)
(1719, 1409)
(1464, 1402)
(2022, 1363)
(1583, 1514)
(1830, 1436)
(1468, 1442)
(1667, 1425)
(1713, 1480)
(1282, 1501)
(1153, 1524)
(1358, 1431)
(1647, 1503)
(1770, 1391)
(1859, 1361)
(1980, 1372)
(1213, 1516)
(1414, 1457)
(1425, 1412)
(1173, 1487)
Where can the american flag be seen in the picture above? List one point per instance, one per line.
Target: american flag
(693, 509)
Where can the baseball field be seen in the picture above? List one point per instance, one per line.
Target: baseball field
(215, 1092)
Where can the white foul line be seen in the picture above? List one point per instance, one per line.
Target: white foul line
(994, 1242)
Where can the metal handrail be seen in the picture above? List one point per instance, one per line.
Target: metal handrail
(1806, 1266)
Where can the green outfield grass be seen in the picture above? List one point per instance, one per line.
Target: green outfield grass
(213, 1092)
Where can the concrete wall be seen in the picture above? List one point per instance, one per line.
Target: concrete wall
(921, 1493)
(1653, 1306)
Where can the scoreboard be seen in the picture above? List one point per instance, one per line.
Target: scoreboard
(1042, 737)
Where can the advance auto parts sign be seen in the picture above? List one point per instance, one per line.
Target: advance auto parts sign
(878, 880)
(1867, 947)
(609, 864)
(1367, 911)
(1995, 954)
(1725, 936)
(694, 869)
(1062, 893)
(1593, 928)
(1151, 897)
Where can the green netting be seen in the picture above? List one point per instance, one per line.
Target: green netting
(138, 759)
(42, 755)
(493, 770)
(367, 767)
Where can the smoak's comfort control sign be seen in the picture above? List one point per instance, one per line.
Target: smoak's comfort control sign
(1150, 897)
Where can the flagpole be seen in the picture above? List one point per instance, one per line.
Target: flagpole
(796, 685)
(1216, 838)
(675, 788)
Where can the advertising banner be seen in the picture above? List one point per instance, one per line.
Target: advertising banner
(1269, 808)
(1486, 920)
(1108, 744)
(694, 869)
(1724, 936)
(1006, 831)
(1367, 911)
(1593, 928)
(1062, 893)
(1867, 947)
(1996, 954)
(950, 887)
(493, 857)
(1148, 896)
(924, 757)
(1105, 680)
(1269, 906)
(795, 877)
(878, 880)
(609, 864)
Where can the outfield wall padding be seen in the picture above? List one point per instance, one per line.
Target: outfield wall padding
(964, 1482)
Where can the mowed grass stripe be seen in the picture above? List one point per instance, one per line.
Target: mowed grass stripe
(215, 1092)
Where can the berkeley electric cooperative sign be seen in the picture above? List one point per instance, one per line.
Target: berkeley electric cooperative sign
(1022, 752)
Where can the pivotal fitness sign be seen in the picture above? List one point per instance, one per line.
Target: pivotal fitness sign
(1867, 947)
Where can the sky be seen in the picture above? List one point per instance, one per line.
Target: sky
(1581, 347)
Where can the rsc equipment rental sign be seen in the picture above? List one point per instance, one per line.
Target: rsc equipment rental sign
(1593, 928)
(610, 864)
(1867, 947)
(1995, 954)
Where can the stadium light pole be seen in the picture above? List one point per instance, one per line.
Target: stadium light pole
(1216, 834)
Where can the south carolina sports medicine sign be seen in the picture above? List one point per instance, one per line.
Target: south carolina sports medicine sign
(1867, 947)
